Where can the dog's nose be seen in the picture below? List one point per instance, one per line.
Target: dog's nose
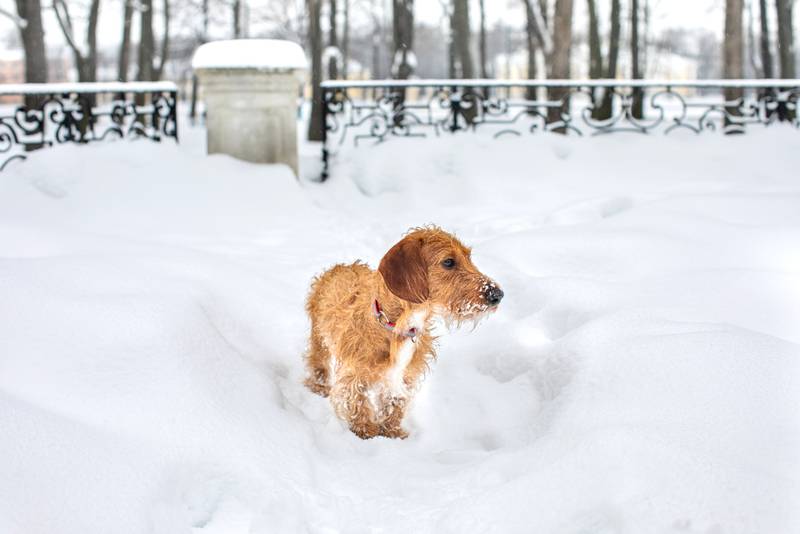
(494, 295)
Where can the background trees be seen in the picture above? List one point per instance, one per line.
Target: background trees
(378, 38)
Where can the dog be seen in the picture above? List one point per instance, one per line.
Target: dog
(370, 340)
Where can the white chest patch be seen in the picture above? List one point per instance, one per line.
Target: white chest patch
(384, 394)
(395, 373)
(393, 385)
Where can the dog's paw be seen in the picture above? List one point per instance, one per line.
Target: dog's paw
(366, 431)
(322, 390)
(395, 433)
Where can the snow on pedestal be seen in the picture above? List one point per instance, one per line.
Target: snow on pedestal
(251, 88)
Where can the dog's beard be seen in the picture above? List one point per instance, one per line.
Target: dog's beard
(467, 313)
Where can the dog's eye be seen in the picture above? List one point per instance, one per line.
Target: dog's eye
(449, 263)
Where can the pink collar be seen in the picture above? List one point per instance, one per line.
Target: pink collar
(388, 325)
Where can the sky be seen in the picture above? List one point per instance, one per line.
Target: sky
(706, 14)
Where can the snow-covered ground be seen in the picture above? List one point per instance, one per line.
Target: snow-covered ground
(641, 376)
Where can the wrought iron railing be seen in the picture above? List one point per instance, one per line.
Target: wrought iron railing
(47, 114)
(380, 109)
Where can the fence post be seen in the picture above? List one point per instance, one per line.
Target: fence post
(250, 91)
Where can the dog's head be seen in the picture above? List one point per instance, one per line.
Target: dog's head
(430, 265)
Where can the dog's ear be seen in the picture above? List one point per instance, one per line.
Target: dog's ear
(405, 271)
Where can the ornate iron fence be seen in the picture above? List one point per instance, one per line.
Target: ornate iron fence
(48, 114)
(380, 109)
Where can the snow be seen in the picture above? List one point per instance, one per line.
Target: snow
(250, 54)
(641, 375)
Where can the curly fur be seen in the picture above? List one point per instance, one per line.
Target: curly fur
(370, 373)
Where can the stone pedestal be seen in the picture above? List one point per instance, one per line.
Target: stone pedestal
(250, 90)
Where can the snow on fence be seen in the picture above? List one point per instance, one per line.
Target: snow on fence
(49, 114)
(380, 109)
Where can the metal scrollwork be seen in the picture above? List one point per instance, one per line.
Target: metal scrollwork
(381, 109)
(83, 115)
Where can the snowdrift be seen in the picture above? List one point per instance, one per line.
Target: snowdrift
(641, 375)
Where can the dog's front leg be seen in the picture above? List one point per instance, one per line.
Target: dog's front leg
(396, 389)
(391, 426)
(351, 402)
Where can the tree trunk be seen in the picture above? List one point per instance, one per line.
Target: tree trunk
(785, 38)
(403, 44)
(637, 106)
(559, 64)
(606, 108)
(377, 32)
(613, 40)
(125, 46)
(766, 53)
(562, 40)
(733, 51)
(595, 54)
(159, 71)
(345, 38)
(643, 38)
(333, 42)
(463, 58)
(146, 42)
(376, 50)
(203, 39)
(315, 125)
(530, 27)
(451, 47)
(33, 44)
(333, 38)
(237, 19)
(91, 42)
(462, 38)
(752, 58)
(33, 41)
(482, 45)
(402, 38)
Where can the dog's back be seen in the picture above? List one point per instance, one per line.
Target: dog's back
(339, 288)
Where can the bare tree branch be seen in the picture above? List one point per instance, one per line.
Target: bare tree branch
(16, 19)
(541, 30)
(65, 22)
